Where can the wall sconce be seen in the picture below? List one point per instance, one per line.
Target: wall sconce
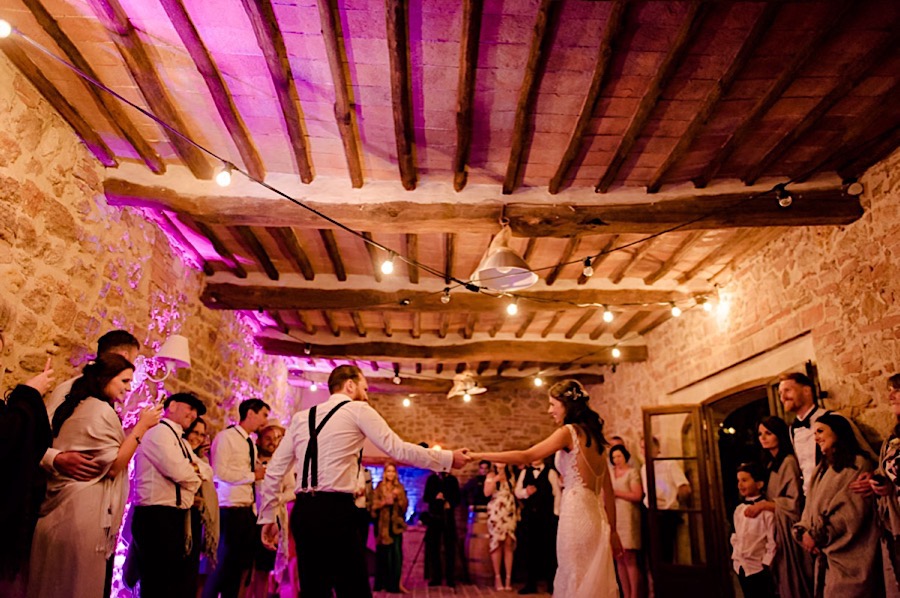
(173, 354)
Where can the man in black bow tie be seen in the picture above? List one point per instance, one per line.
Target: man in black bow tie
(796, 393)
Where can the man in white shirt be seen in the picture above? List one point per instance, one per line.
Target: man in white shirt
(167, 475)
(74, 464)
(325, 442)
(538, 488)
(672, 489)
(237, 472)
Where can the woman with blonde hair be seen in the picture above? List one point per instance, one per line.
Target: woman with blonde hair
(389, 506)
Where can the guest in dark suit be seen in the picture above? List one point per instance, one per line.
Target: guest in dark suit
(538, 489)
(442, 497)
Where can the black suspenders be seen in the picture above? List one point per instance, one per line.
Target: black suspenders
(311, 458)
(186, 455)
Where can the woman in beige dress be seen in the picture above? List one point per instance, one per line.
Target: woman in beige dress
(626, 483)
(79, 521)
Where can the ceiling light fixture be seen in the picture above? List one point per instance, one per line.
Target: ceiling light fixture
(705, 304)
(5, 29)
(501, 268)
(445, 298)
(616, 352)
(608, 315)
(676, 311)
(223, 177)
(407, 402)
(313, 387)
(588, 268)
(512, 308)
(387, 266)
(785, 199)
(538, 381)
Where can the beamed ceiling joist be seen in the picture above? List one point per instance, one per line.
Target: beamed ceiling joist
(728, 210)
(495, 384)
(556, 352)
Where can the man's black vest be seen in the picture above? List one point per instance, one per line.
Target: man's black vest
(541, 502)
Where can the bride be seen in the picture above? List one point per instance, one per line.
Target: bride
(585, 543)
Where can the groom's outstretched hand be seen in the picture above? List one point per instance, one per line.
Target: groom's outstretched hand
(460, 458)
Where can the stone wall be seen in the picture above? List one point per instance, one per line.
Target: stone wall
(73, 268)
(842, 284)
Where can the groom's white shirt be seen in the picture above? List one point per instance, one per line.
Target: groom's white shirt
(339, 444)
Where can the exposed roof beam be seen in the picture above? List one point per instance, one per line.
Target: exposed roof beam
(813, 47)
(416, 331)
(221, 97)
(529, 248)
(629, 326)
(877, 149)
(754, 38)
(761, 240)
(468, 62)
(171, 228)
(587, 315)
(471, 322)
(614, 25)
(271, 42)
(541, 41)
(444, 325)
(374, 253)
(723, 249)
(852, 75)
(109, 106)
(226, 255)
(247, 238)
(498, 325)
(526, 322)
(397, 13)
(359, 324)
(665, 316)
(553, 322)
(482, 367)
(412, 254)
(344, 111)
(675, 257)
(696, 13)
(449, 254)
(639, 252)
(279, 321)
(555, 351)
(332, 325)
(334, 254)
(693, 212)
(388, 327)
(289, 245)
(570, 249)
(282, 296)
(307, 324)
(598, 331)
(148, 80)
(95, 144)
(600, 257)
(382, 386)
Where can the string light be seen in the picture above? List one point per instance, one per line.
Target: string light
(407, 402)
(616, 352)
(387, 266)
(467, 398)
(608, 315)
(307, 349)
(5, 29)
(223, 177)
(538, 381)
(588, 268)
(676, 311)
(445, 298)
(436, 447)
(705, 303)
(313, 387)
(512, 308)
(785, 199)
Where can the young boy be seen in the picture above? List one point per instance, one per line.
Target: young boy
(753, 539)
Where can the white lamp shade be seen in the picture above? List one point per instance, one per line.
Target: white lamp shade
(501, 268)
(175, 352)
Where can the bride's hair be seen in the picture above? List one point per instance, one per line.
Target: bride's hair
(575, 400)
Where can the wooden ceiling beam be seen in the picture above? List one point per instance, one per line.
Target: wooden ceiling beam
(412, 254)
(471, 322)
(762, 239)
(600, 257)
(12, 48)
(226, 255)
(397, 13)
(109, 106)
(465, 94)
(359, 324)
(281, 296)
(665, 316)
(247, 238)
(331, 321)
(526, 365)
(449, 254)
(754, 38)
(541, 41)
(570, 249)
(289, 245)
(553, 322)
(526, 322)
(416, 330)
(598, 331)
(628, 327)
(438, 368)
(381, 386)
(556, 352)
(587, 315)
(699, 211)
(148, 80)
(877, 149)
(482, 367)
(813, 48)
(724, 248)
(344, 110)
(444, 325)
(614, 26)
(271, 42)
(374, 254)
(852, 75)
(171, 228)
(305, 321)
(639, 252)
(529, 248)
(279, 322)
(687, 33)
(675, 258)
(334, 254)
(388, 327)
(218, 90)
(498, 325)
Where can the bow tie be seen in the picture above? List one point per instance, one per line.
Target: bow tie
(752, 502)
(803, 423)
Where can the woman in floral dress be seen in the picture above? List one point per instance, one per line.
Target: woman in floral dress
(502, 520)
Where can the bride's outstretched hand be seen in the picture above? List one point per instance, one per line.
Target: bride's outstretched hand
(616, 544)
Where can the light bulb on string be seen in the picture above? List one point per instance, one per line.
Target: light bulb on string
(467, 398)
(705, 304)
(538, 381)
(588, 268)
(313, 387)
(223, 177)
(407, 402)
(608, 315)
(387, 266)
(616, 352)
(512, 308)
(397, 379)
(5, 29)
(676, 311)
(445, 298)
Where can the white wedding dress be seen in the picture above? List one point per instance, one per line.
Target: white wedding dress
(586, 568)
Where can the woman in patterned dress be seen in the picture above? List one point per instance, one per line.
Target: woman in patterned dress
(502, 520)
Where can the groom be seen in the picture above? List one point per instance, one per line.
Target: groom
(325, 442)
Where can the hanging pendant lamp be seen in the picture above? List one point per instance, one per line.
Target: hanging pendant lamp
(501, 268)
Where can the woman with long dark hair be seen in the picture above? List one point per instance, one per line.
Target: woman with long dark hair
(586, 541)
(837, 526)
(79, 521)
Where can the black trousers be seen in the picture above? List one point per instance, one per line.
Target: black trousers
(159, 537)
(235, 554)
(758, 585)
(441, 533)
(538, 537)
(330, 551)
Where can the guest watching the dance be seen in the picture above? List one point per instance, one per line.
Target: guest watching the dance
(76, 535)
(389, 504)
(885, 486)
(672, 490)
(502, 520)
(753, 540)
(205, 510)
(793, 566)
(626, 483)
(837, 525)
(442, 497)
(24, 437)
(538, 489)
(473, 490)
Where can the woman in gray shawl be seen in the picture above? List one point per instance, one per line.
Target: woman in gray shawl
(793, 566)
(79, 522)
(885, 486)
(838, 524)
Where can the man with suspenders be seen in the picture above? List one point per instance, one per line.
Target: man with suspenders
(326, 442)
(166, 477)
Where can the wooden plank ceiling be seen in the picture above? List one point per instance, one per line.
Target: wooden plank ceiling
(646, 136)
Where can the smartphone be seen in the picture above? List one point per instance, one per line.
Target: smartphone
(879, 479)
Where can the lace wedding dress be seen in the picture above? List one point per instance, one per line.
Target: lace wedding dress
(586, 568)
